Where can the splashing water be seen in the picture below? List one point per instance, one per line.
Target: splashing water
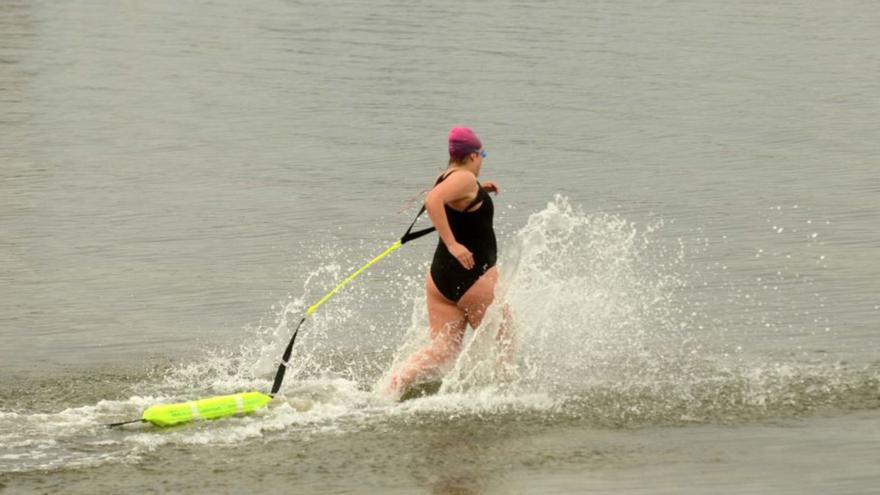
(592, 295)
(603, 335)
(593, 304)
(603, 331)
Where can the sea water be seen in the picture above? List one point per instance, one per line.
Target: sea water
(687, 234)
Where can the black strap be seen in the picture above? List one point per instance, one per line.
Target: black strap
(410, 235)
(282, 368)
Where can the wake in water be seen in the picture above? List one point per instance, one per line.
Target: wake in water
(604, 335)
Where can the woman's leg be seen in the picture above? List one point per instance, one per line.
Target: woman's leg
(479, 297)
(448, 324)
(476, 302)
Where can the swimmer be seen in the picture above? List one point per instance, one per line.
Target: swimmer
(460, 285)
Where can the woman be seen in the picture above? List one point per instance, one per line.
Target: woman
(461, 284)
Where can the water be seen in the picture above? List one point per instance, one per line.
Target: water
(687, 221)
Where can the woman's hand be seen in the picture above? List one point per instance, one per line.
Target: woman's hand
(463, 255)
(491, 187)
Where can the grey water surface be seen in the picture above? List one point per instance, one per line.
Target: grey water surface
(693, 186)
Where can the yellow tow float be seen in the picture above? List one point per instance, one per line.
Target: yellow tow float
(213, 408)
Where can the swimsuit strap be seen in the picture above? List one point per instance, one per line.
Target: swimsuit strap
(443, 177)
(476, 200)
(472, 203)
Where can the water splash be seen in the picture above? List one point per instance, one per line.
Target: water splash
(605, 337)
(604, 332)
(590, 294)
(602, 324)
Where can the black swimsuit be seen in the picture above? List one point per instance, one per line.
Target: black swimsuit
(474, 230)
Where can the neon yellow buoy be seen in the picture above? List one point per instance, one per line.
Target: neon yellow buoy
(212, 408)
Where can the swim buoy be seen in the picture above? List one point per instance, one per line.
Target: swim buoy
(211, 408)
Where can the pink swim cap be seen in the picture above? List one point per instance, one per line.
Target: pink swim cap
(462, 142)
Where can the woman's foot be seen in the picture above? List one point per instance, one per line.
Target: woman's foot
(393, 390)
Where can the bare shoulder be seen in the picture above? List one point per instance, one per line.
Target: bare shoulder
(460, 179)
(456, 186)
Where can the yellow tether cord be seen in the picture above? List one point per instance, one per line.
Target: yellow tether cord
(351, 277)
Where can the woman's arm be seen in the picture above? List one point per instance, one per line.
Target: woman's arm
(458, 186)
